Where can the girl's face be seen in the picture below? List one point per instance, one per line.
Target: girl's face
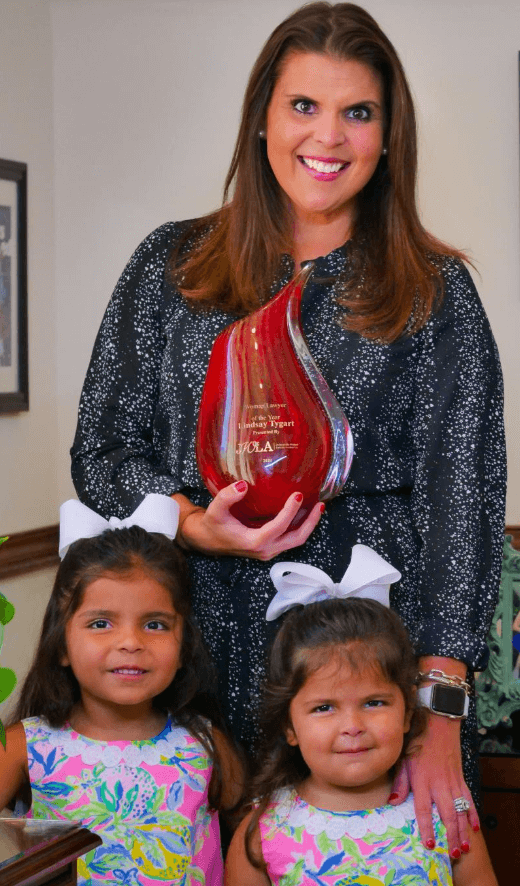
(123, 643)
(324, 134)
(349, 726)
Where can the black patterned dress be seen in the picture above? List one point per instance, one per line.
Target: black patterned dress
(427, 485)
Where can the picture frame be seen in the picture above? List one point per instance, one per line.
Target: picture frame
(14, 365)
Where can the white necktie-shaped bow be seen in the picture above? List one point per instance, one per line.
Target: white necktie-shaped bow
(156, 513)
(298, 584)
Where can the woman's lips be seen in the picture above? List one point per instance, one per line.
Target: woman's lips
(323, 168)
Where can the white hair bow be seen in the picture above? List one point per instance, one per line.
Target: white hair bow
(156, 513)
(368, 575)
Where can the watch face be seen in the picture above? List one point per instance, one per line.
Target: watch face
(448, 700)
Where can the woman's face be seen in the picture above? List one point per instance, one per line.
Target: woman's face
(324, 134)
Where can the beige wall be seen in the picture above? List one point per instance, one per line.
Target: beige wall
(147, 97)
(28, 442)
(126, 113)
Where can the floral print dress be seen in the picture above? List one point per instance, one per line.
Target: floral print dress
(306, 846)
(147, 800)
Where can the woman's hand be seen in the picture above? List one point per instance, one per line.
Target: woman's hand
(214, 530)
(433, 771)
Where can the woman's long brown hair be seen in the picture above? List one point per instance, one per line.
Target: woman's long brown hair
(395, 276)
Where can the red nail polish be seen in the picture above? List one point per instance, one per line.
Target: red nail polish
(430, 844)
(298, 497)
(322, 507)
(465, 846)
(455, 853)
(476, 828)
(241, 486)
(392, 797)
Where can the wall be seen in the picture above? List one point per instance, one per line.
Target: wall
(28, 451)
(147, 96)
(29, 595)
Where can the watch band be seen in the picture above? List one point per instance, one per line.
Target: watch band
(448, 701)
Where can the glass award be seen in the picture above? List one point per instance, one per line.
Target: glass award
(267, 415)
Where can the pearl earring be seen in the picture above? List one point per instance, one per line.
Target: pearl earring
(385, 151)
(261, 134)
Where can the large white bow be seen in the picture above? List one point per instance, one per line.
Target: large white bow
(156, 513)
(368, 575)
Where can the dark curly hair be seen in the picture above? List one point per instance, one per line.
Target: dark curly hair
(51, 690)
(365, 634)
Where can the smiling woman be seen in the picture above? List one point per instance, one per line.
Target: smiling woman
(324, 168)
(324, 141)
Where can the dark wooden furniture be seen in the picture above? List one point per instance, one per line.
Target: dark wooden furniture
(500, 814)
(42, 853)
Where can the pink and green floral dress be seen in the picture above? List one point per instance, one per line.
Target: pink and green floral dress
(147, 800)
(306, 846)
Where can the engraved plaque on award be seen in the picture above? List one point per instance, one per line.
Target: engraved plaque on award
(267, 415)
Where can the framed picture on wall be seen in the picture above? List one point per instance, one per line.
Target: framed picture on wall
(14, 370)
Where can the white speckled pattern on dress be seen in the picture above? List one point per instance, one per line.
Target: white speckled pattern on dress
(427, 485)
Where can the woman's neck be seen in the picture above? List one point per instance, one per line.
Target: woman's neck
(311, 239)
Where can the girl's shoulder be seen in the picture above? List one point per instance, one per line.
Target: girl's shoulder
(14, 770)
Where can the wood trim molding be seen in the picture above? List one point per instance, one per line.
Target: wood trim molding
(38, 549)
(514, 531)
(29, 551)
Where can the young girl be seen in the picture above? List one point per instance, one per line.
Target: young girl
(116, 720)
(339, 711)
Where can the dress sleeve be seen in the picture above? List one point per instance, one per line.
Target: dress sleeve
(114, 463)
(458, 496)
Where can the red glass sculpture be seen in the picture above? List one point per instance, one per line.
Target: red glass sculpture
(267, 415)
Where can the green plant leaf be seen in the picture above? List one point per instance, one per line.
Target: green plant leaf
(7, 682)
(4, 538)
(6, 610)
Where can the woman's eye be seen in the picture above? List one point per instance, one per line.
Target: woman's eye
(303, 106)
(375, 703)
(360, 113)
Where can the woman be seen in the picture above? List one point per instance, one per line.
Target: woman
(324, 168)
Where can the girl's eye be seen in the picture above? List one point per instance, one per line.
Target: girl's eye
(322, 709)
(99, 623)
(156, 626)
(375, 703)
(360, 113)
(303, 106)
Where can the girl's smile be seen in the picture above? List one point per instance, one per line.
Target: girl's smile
(123, 645)
(349, 727)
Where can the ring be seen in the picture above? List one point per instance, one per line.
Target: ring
(461, 804)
